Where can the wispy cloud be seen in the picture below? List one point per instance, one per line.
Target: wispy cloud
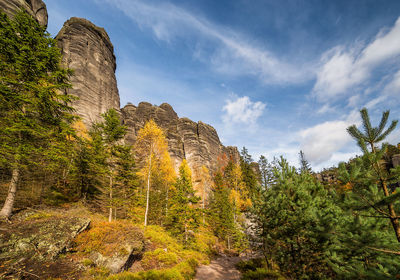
(242, 110)
(225, 50)
(345, 68)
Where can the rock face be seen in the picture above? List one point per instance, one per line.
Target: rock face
(87, 49)
(198, 143)
(37, 8)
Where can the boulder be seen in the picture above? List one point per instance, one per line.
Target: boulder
(41, 239)
(113, 245)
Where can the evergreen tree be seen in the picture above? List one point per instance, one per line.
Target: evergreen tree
(110, 132)
(265, 172)
(304, 165)
(296, 220)
(249, 177)
(221, 211)
(183, 216)
(33, 107)
(369, 172)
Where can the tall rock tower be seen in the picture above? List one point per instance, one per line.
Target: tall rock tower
(37, 8)
(87, 49)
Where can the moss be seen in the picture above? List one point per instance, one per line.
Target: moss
(38, 215)
(108, 238)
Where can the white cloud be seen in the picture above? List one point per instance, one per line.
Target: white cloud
(343, 69)
(226, 51)
(242, 110)
(325, 142)
(320, 142)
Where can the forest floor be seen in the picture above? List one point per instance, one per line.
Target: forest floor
(220, 268)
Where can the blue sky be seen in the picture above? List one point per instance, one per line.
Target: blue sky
(274, 76)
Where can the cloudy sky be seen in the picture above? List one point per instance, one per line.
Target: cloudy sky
(274, 76)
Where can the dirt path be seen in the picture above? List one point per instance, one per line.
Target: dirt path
(222, 268)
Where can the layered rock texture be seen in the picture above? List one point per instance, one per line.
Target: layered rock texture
(37, 8)
(87, 49)
(198, 143)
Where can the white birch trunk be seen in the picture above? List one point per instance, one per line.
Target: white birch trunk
(12, 190)
(148, 188)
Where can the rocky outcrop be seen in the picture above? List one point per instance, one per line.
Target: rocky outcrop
(40, 238)
(87, 49)
(115, 246)
(37, 8)
(198, 143)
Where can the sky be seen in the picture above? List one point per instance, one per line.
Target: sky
(274, 76)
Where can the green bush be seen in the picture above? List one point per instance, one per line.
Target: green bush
(260, 274)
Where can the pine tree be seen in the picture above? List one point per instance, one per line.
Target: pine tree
(304, 165)
(33, 106)
(265, 172)
(249, 177)
(111, 132)
(368, 172)
(295, 219)
(183, 216)
(221, 211)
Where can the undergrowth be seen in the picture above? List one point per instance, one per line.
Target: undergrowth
(256, 269)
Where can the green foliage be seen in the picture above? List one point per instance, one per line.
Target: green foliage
(304, 164)
(366, 244)
(33, 108)
(296, 219)
(183, 217)
(249, 177)
(224, 216)
(256, 269)
(267, 176)
(35, 112)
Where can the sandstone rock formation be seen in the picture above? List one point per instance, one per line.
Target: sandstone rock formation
(198, 143)
(87, 49)
(37, 8)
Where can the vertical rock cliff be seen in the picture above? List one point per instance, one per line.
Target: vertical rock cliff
(198, 143)
(37, 8)
(87, 49)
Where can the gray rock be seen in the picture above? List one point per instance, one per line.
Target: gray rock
(42, 239)
(37, 8)
(122, 259)
(198, 143)
(87, 49)
(396, 160)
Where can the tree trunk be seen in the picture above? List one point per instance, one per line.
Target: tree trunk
(393, 216)
(148, 189)
(111, 197)
(12, 190)
(203, 204)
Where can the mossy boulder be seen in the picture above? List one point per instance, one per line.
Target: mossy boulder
(113, 245)
(41, 239)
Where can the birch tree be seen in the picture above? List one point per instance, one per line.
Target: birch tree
(150, 146)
